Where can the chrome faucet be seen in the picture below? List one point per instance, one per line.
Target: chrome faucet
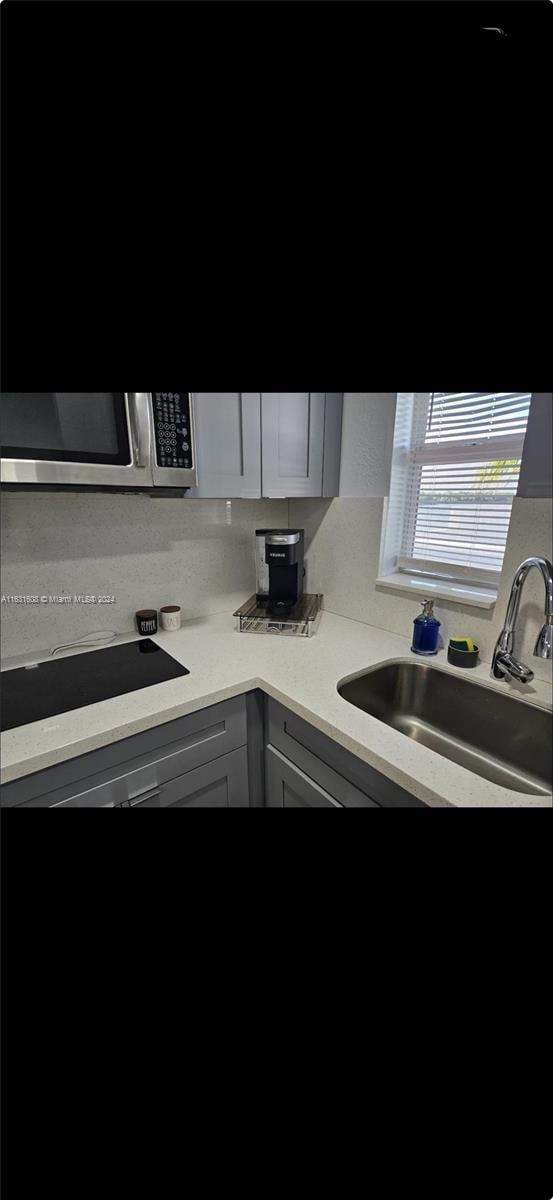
(505, 665)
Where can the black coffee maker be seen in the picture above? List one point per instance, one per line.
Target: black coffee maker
(284, 556)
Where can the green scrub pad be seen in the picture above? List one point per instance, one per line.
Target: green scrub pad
(466, 644)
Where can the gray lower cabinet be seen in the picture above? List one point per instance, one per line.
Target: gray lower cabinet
(247, 752)
(302, 763)
(201, 760)
(219, 784)
(271, 444)
(288, 787)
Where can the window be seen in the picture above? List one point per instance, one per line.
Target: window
(457, 459)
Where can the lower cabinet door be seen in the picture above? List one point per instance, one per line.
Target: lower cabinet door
(288, 787)
(222, 783)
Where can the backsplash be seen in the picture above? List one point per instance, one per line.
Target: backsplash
(199, 554)
(343, 551)
(144, 552)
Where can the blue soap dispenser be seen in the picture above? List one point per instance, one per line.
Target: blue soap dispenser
(427, 631)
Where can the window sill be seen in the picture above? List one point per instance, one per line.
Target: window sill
(458, 593)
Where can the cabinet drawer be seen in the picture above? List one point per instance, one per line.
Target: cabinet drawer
(351, 781)
(139, 764)
(222, 783)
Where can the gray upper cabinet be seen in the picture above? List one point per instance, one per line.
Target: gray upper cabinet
(293, 443)
(272, 444)
(228, 433)
(302, 437)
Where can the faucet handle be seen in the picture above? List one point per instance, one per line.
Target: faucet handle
(507, 665)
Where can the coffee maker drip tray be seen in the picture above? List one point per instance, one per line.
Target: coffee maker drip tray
(301, 620)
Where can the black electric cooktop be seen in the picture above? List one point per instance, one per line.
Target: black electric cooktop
(62, 685)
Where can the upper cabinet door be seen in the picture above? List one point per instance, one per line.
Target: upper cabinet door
(293, 443)
(228, 435)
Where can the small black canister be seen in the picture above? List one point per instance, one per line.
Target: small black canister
(146, 621)
(463, 658)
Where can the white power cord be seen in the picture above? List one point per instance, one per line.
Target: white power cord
(91, 639)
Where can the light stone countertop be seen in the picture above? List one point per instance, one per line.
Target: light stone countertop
(303, 675)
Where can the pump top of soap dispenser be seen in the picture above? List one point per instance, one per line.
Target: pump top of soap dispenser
(428, 608)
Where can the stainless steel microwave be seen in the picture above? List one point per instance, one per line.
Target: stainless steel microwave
(131, 440)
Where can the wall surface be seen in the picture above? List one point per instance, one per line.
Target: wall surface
(536, 476)
(367, 443)
(343, 554)
(147, 553)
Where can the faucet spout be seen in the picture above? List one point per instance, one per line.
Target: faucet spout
(544, 644)
(505, 665)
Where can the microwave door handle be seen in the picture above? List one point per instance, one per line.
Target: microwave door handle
(139, 424)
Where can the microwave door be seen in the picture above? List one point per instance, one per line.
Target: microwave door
(80, 439)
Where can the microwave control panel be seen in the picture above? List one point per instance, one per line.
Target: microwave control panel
(173, 428)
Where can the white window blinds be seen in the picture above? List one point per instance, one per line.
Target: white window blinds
(460, 476)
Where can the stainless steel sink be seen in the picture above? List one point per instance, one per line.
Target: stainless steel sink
(496, 736)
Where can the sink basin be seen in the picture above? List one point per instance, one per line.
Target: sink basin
(497, 736)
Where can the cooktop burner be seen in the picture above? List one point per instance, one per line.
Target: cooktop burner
(50, 688)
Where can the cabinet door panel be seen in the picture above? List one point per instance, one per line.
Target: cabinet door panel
(288, 787)
(219, 784)
(228, 433)
(293, 443)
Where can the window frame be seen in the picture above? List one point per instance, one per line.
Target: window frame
(467, 584)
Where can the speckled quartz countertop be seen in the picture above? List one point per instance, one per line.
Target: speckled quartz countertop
(303, 675)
